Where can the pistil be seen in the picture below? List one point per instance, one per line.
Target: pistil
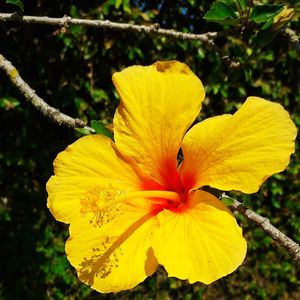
(168, 195)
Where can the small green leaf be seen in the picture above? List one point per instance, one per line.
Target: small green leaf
(268, 24)
(8, 103)
(248, 73)
(99, 95)
(226, 200)
(126, 6)
(263, 13)
(83, 131)
(221, 12)
(118, 3)
(17, 3)
(73, 11)
(101, 129)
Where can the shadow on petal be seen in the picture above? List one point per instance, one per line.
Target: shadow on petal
(106, 257)
(150, 261)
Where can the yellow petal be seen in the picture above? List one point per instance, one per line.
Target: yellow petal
(116, 256)
(239, 152)
(201, 243)
(88, 168)
(158, 104)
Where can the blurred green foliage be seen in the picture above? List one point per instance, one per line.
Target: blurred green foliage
(71, 69)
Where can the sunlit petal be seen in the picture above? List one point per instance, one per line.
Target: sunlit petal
(239, 152)
(202, 243)
(158, 104)
(116, 256)
(88, 170)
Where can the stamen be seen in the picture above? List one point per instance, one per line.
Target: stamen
(105, 203)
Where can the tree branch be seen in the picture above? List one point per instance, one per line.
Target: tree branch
(30, 95)
(150, 29)
(292, 247)
(154, 29)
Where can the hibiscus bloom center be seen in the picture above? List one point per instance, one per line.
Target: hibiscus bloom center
(174, 197)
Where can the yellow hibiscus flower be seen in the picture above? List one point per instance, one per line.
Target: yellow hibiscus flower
(131, 207)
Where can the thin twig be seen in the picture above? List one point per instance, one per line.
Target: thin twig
(154, 29)
(150, 29)
(30, 95)
(292, 247)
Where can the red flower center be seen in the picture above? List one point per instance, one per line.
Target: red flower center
(178, 204)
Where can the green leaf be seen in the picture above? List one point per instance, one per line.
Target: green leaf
(248, 74)
(226, 200)
(221, 12)
(101, 129)
(118, 3)
(243, 4)
(264, 37)
(263, 13)
(247, 203)
(82, 131)
(268, 24)
(8, 103)
(231, 3)
(99, 95)
(17, 3)
(73, 11)
(126, 6)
